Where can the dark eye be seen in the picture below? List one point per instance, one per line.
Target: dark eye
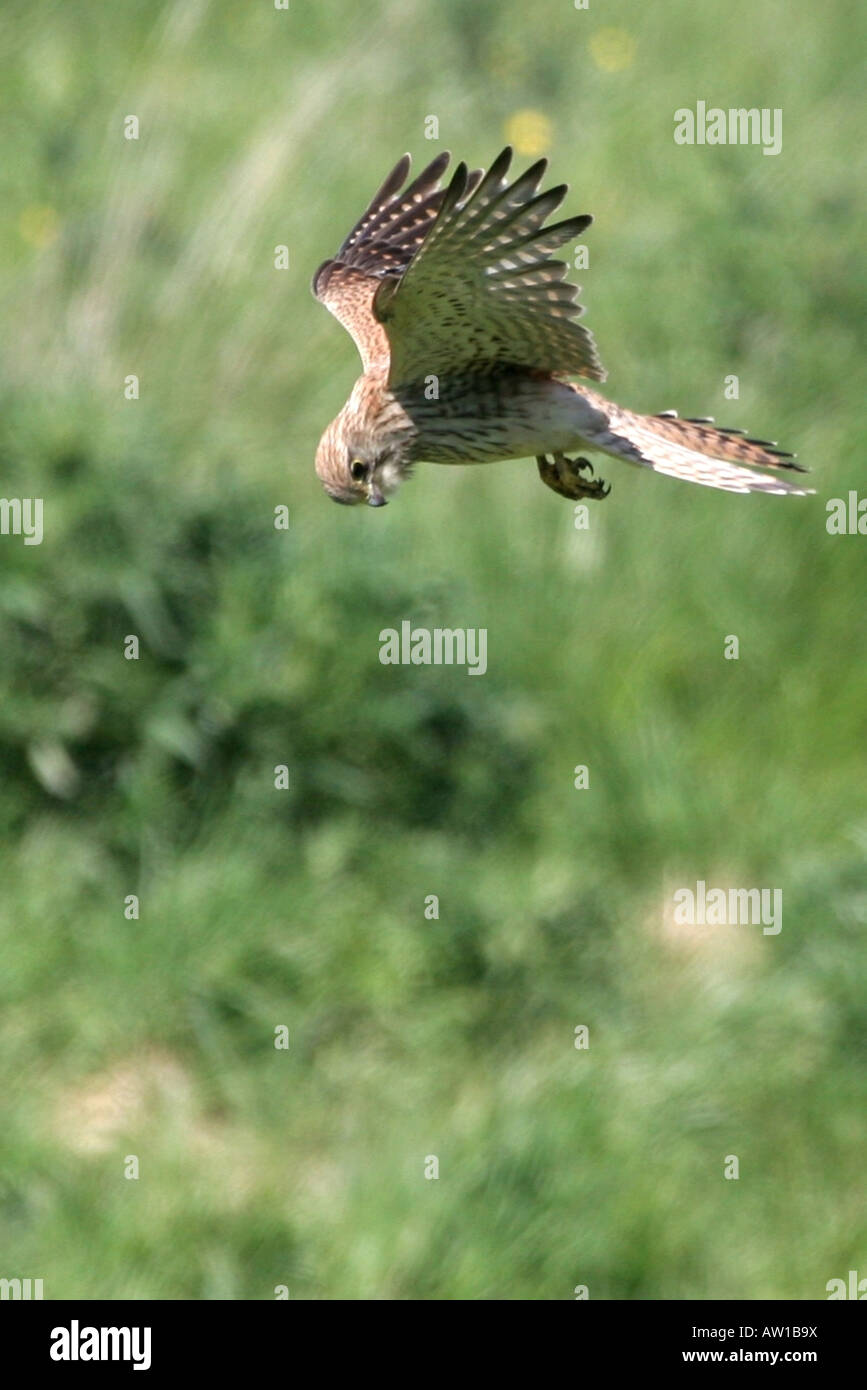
(357, 470)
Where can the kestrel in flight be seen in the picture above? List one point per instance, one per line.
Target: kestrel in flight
(468, 334)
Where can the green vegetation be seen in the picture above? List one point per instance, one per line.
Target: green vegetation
(259, 647)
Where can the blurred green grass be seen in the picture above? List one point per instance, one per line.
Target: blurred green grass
(412, 1037)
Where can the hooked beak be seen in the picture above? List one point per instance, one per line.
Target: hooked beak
(375, 498)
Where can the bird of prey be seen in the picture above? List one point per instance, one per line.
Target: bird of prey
(468, 334)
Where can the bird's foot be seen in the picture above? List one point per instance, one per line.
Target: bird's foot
(563, 475)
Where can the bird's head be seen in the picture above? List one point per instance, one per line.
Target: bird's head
(361, 461)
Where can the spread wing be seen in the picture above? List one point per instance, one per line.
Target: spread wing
(381, 245)
(434, 280)
(482, 292)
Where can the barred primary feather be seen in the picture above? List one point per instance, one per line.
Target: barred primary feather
(460, 276)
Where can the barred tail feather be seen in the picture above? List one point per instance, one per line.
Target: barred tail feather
(698, 452)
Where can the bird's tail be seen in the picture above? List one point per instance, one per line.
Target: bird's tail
(698, 451)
